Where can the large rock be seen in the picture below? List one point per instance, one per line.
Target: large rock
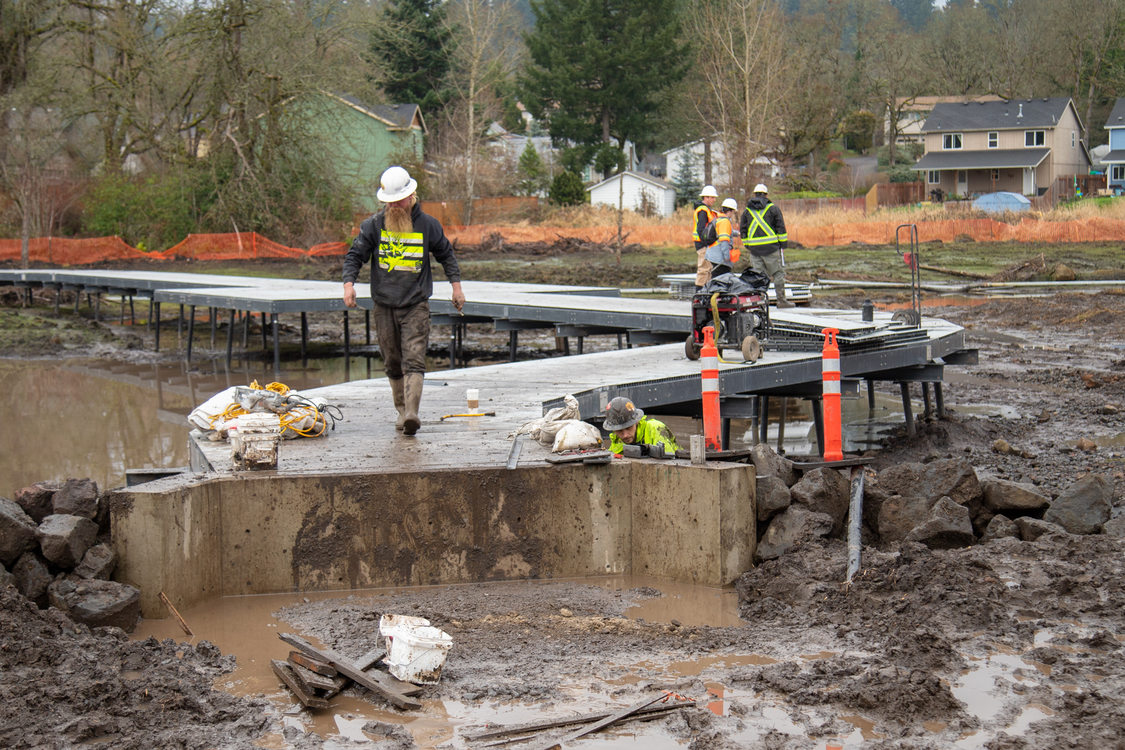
(38, 499)
(899, 514)
(98, 562)
(1001, 527)
(772, 496)
(790, 528)
(768, 463)
(1033, 528)
(77, 497)
(98, 603)
(6, 577)
(826, 491)
(17, 532)
(32, 577)
(1084, 506)
(1115, 527)
(1012, 498)
(64, 539)
(954, 478)
(947, 527)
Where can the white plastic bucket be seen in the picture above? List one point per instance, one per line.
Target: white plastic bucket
(416, 651)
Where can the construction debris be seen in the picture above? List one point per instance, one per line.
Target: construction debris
(314, 692)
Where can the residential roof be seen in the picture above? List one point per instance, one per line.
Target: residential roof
(1113, 157)
(1116, 117)
(638, 175)
(925, 103)
(1015, 114)
(394, 116)
(988, 159)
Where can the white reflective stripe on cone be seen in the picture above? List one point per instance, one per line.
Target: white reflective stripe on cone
(710, 363)
(710, 385)
(831, 387)
(830, 365)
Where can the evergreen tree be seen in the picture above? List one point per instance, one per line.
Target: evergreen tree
(687, 186)
(533, 173)
(600, 67)
(567, 189)
(412, 45)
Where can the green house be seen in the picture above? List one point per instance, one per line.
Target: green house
(365, 139)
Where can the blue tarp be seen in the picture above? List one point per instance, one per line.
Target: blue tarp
(998, 203)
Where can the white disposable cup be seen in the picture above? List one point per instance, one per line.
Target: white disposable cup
(472, 396)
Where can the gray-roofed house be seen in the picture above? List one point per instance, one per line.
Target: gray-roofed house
(1114, 161)
(365, 139)
(1020, 145)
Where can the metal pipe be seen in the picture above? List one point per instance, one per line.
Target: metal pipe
(855, 523)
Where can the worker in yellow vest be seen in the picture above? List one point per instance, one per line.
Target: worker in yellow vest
(628, 425)
(702, 215)
(764, 235)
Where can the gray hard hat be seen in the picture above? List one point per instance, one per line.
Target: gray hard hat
(621, 413)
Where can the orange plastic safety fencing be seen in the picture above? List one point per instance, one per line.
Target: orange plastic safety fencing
(328, 249)
(69, 251)
(230, 246)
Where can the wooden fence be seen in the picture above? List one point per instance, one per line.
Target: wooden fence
(894, 194)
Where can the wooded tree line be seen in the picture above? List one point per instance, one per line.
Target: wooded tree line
(154, 118)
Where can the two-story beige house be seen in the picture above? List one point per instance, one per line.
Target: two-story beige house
(1020, 146)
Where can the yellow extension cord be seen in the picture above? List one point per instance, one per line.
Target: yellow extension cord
(287, 420)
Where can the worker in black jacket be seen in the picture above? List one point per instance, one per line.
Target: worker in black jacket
(763, 234)
(399, 241)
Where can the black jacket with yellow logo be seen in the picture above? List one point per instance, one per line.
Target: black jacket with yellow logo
(400, 267)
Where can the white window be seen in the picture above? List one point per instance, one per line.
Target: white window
(1117, 173)
(993, 139)
(1073, 139)
(933, 176)
(951, 141)
(1033, 138)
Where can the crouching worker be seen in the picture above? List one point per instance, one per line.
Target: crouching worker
(628, 425)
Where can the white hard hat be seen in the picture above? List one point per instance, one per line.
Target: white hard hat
(395, 184)
(708, 191)
(760, 188)
(730, 203)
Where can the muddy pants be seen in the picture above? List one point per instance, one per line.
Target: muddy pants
(770, 265)
(404, 335)
(702, 266)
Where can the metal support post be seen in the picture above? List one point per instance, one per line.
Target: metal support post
(871, 394)
(908, 415)
(927, 409)
(367, 327)
(230, 338)
(154, 316)
(276, 346)
(304, 339)
(781, 425)
(939, 400)
(818, 424)
(190, 333)
(347, 340)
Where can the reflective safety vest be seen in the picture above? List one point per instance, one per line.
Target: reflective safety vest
(697, 225)
(759, 232)
(649, 432)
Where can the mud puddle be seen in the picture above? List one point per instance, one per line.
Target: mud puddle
(248, 628)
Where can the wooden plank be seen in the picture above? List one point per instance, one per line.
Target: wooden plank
(314, 680)
(311, 664)
(183, 624)
(537, 726)
(349, 669)
(557, 744)
(285, 673)
(364, 663)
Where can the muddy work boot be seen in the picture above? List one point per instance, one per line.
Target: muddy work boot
(412, 393)
(779, 286)
(399, 396)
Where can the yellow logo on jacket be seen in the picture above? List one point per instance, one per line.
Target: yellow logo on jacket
(401, 252)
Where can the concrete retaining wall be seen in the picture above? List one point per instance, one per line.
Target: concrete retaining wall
(264, 533)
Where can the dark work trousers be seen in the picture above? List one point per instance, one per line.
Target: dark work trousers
(404, 335)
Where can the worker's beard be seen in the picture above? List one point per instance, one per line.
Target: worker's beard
(398, 219)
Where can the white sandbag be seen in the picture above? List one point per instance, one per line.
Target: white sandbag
(544, 428)
(202, 415)
(575, 435)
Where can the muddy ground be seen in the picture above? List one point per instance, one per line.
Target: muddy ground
(1007, 644)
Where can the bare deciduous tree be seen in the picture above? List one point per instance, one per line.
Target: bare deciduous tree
(741, 58)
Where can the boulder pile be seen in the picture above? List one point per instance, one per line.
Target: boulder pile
(54, 548)
(943, 504)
